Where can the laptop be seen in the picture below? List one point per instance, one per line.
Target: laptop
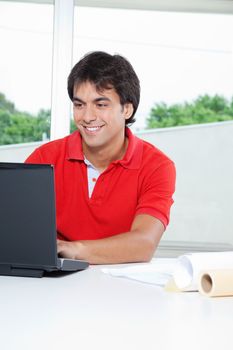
(28, 222)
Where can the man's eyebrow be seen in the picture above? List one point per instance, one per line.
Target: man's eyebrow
(99, 99)
(77, 99)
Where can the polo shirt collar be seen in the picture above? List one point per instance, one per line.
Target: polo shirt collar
(133, 155)
(132, 158)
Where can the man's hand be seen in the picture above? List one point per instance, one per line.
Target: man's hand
(138, 245)
(70, 250)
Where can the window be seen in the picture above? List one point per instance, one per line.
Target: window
(26, 33)
(178, 56)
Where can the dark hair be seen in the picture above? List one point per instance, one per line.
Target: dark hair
(107, 71)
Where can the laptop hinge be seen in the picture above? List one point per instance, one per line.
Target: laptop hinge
(8, 270)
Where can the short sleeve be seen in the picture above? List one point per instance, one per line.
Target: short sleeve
(157, 189)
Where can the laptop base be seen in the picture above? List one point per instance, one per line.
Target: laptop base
(8, 270)
(64, 265)
(72, 264)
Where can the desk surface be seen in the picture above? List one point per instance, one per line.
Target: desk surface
(91, 310)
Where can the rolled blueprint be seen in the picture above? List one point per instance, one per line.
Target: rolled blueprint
(216, 283)
(189, 266)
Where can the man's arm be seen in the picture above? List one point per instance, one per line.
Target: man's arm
(138, 245)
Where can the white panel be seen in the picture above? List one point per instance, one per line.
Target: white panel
(208, 6)
(205, 6)
(62, 62)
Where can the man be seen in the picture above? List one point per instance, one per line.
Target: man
(113, 190)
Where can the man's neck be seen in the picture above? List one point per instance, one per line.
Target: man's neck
(101, 158)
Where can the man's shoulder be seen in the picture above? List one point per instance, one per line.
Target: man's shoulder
(157, 169)
(153, 155)
(49, 152)
(54, 146)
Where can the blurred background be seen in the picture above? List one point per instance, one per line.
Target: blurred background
(182, 52)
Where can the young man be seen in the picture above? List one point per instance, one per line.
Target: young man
(113, 190)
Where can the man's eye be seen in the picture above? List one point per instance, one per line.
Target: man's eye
(78, 105)
(101, 105)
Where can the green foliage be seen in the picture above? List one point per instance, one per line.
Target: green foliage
(72, 126)
(205, 109)
(19, 127)
(6, 105)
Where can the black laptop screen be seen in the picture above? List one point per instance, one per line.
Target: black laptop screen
(27, 215)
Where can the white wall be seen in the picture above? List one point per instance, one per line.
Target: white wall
(203, 154)
(17, 153)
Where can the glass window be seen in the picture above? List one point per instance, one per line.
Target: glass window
(178, 56)
(26, 34)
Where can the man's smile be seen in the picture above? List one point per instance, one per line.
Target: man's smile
(92, 128)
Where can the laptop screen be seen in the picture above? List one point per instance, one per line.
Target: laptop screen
(27, 215)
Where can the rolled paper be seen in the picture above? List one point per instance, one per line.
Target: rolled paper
(190, 265)
(171, 286)
(216, 283)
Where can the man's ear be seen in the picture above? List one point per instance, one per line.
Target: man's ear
(127, 110)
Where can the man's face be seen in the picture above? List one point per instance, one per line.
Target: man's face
(99, 116)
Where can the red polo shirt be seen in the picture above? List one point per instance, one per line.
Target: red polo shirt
(143, 182)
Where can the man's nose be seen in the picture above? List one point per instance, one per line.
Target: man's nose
(89, 114)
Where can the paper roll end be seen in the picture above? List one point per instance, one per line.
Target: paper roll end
(206, 283)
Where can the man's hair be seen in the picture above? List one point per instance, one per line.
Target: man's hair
(107, 71)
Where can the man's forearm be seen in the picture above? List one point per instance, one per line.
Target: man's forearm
(138, 245)
(126, 247)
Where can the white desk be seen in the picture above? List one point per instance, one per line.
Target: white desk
(91, 310)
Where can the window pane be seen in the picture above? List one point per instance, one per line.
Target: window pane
(178, 56)
(25, 70)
